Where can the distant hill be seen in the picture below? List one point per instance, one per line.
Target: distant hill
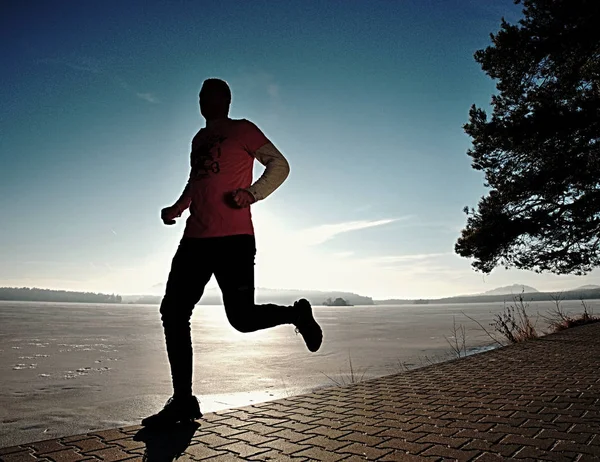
(396, 301)
(577, 294)
(45, 295)
(588, 287)
(514, 289)
(502, 292)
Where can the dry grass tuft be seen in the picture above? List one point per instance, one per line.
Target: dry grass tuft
(350, 377)
(514, 324)
(559, 320)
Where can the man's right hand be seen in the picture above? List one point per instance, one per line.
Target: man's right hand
(168, 215)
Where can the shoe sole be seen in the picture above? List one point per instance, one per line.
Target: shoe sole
(318, 327)
(313, 349)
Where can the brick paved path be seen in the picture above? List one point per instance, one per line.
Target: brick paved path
(536, 401)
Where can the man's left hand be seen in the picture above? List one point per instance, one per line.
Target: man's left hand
(243, 198)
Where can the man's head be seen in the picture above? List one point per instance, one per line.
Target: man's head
(215, 98)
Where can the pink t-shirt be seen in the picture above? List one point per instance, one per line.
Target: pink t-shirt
(222, 158)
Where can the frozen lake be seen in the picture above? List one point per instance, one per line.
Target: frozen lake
(72, 368)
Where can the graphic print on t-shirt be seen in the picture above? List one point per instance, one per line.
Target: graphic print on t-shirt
(205, 156)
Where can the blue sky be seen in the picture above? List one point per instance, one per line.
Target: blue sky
(365, 98)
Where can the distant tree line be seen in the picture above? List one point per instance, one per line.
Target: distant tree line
(337, 302)
(47, 295)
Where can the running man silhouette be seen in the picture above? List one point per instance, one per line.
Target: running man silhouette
(219, 239)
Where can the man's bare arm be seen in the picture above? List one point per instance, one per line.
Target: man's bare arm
(276, 171)
(168, 214)
(184, 200)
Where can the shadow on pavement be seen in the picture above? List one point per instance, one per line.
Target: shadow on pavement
(166, 444)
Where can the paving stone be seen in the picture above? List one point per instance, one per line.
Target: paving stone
(291, 435)
(406, 446)
(234, 422)
(69, 439)
(330, 423)
(11, 449)
(590, 450)
(264, 429)
(363, 428)
(321, 455)
(130, 445)
(252, 438)
(587, 458)
(362, 438)
(505, 450)
(303, 418)
(284, 446)
(274, 456)
(325, 443)
(43, 447)
(477, 435)
(539, 443)
(487, 457)
(132, 430)
(111, 454)
(224, 458)
(244, 450)
(397, 456)
(225, 431)
(90, 444)
(201, 451)
(537, 454)
(450, 453)
(212, 440)
(21, 456)
(369, 452)
(451, 442)
(401, 434)
(68, 455)
(328, 432)
(110, 435)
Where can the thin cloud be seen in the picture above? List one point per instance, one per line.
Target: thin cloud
(408, 258)
(425, 265)
(363, 208)
(49, 263)
(147, 97)
(91, 65)
(440, 226)
(320, 234)
(81, 63)
(260, 83)
(273, 90)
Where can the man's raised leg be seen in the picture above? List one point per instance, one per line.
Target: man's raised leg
(234, 271)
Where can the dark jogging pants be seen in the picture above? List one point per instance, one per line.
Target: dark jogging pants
(231, 260)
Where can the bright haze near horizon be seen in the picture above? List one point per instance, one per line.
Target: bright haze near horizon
(366, 99)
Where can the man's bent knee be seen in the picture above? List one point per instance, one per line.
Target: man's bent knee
(175, 312)
(239, 304)
(242, 324)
